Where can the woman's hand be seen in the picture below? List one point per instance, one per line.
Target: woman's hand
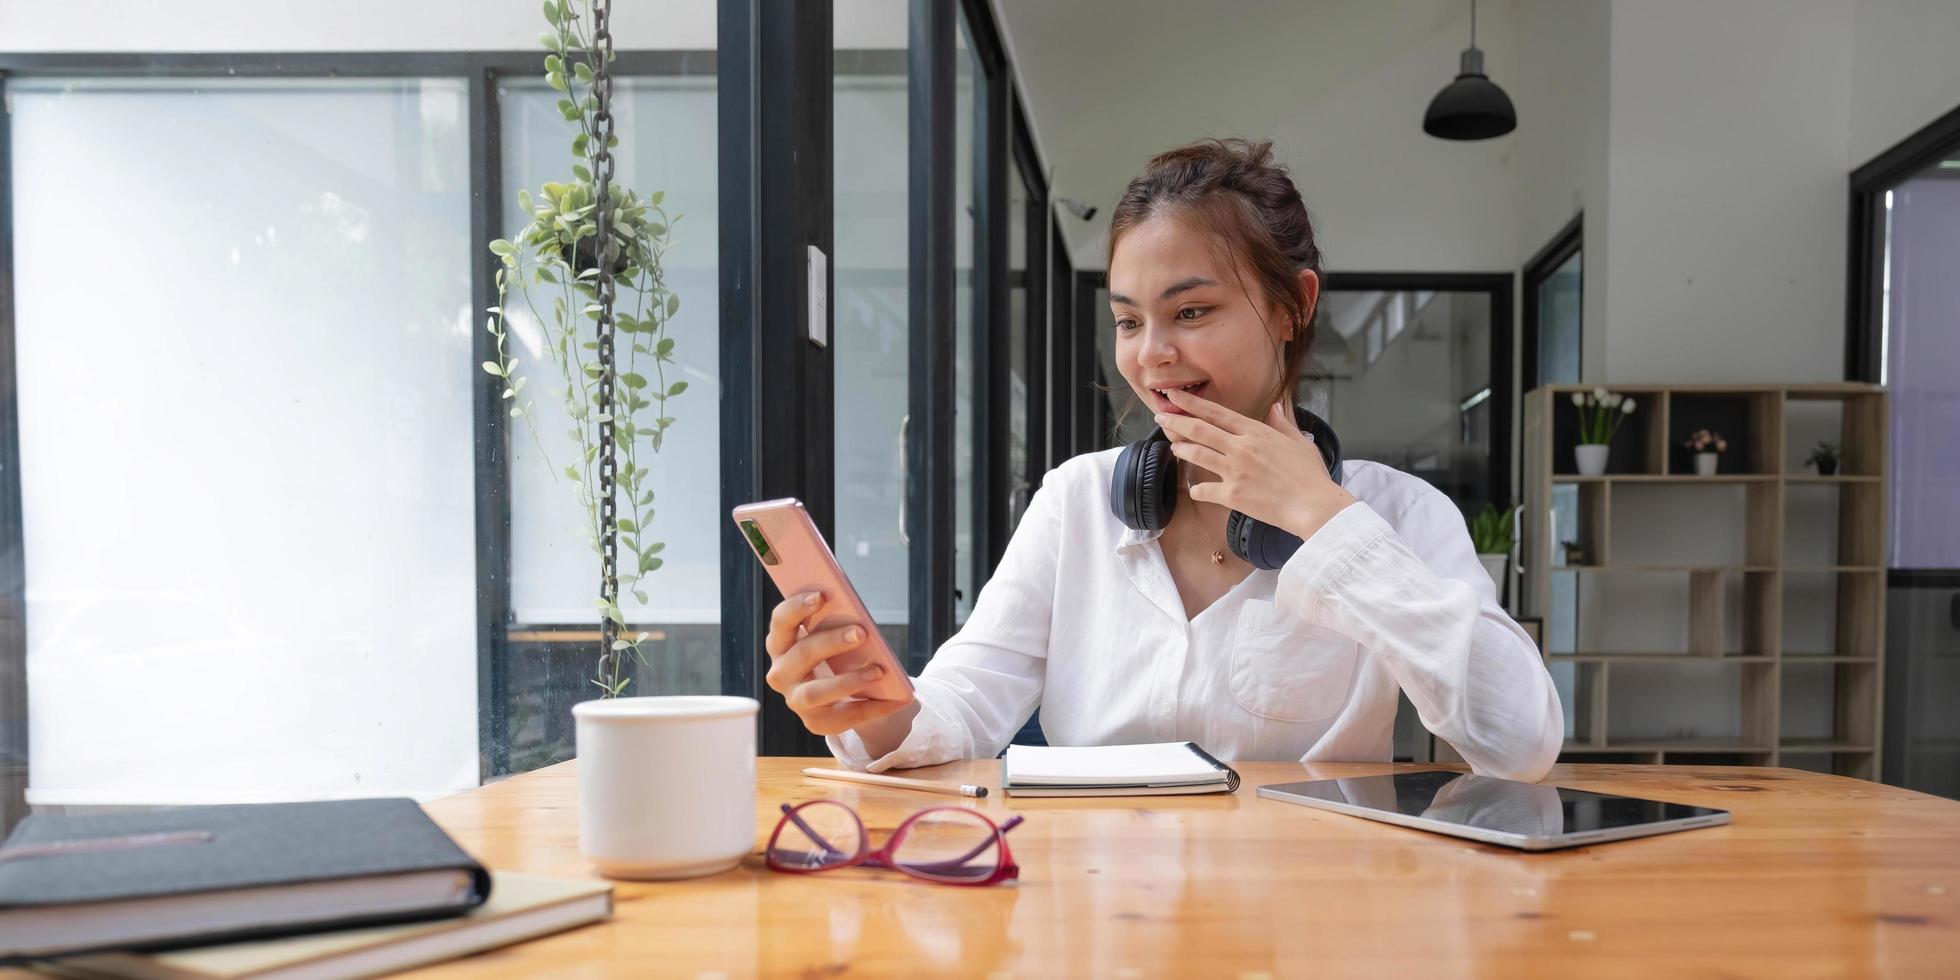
(795, 652)
(1267, 469)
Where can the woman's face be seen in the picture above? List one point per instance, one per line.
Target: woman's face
(1185, 319)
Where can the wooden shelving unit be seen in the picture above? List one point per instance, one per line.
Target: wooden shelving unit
(1769, 577)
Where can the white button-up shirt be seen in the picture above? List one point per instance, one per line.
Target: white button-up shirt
(1083, 620)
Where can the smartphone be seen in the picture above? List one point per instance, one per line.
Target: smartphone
(794, 554)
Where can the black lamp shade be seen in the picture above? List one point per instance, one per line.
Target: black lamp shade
(1470, 108)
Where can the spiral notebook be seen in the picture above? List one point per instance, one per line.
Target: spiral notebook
(1154, 769)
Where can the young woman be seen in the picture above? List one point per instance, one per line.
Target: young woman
(1120, 635)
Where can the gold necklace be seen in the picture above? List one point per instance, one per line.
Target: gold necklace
(1218, 554)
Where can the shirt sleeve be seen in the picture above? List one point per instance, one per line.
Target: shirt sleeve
(981, 685)
(1418, 597)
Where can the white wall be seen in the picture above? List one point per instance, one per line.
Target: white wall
(1726, 191)
(382, 25)
(1905, 70)
(1560, 167)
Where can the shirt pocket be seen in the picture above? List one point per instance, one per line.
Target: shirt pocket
(1286, 669)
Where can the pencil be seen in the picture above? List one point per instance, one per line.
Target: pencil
(897, 782)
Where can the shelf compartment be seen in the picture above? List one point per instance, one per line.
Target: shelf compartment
(1833, 613)
(1640, 445)
(1705, 705)
(1858, 764)
(1829, 705)
(1749, 420)
(1834, 525)
(1854, 418)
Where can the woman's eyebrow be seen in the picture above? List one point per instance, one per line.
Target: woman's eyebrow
(1181, 286)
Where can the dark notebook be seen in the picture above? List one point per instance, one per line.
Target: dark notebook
(197, 875)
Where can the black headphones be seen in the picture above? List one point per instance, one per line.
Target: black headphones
(1143, 493)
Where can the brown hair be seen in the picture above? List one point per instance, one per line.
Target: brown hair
(1248, 203)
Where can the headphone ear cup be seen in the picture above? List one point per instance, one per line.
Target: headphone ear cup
(1155, 486)
(1141, 493)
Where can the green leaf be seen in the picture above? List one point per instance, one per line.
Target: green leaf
(579, 144)
(571, 473)
(515, 412)
(673, 304)
(676, 388)
(501, 247)
(656, 197)
(524, 199)
(491, 367)
(653, 564)
(633, 380)
(583, 71)
(642, 596)
(665, 347)
(613, 613)
(621, 644)
(556, 81)
(552, 63)
(579, 171)
(654, 548)
(549, 39)
(627, 525)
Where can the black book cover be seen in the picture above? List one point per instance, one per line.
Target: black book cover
(58, 860)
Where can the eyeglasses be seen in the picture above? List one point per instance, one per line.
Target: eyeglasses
(947, 844)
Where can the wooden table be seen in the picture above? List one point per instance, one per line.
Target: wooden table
(1817, 876)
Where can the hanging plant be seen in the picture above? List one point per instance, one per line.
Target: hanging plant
(593, 250)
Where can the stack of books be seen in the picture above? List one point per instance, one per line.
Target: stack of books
(330, 889)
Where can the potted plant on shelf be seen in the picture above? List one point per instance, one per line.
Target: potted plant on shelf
(615, 395)
(1825, 458)
(1600, 415)
(1708, 447)
(1490, 531)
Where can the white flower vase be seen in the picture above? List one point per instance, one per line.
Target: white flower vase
(1592, 458)
(1705, 463)
(1494, 567)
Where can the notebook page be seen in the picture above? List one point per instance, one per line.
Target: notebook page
(1108, 765)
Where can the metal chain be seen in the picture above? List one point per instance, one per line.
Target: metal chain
(602, 171)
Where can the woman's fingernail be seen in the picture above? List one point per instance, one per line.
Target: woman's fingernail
(1158, 418)
(853, 635)
(813, 598)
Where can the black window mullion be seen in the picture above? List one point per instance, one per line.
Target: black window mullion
(1035, 310)
(774, 89)
(491, 456)
(1091, 406)
(990, 288)
(1061, 348)
(929, 444)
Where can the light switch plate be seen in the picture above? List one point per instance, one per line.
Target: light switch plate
(818, 327)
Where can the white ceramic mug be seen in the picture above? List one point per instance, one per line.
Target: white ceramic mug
(666, 785)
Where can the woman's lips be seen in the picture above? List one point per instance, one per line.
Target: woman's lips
(1164, 405)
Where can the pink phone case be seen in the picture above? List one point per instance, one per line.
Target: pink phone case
(797, 560)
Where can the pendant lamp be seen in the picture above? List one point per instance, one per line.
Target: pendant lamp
(1472, 107)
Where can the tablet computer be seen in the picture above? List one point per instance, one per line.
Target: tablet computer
(1528, 816)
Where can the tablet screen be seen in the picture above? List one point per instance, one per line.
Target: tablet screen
(1501, 805)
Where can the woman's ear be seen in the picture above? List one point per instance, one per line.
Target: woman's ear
(1309, 281)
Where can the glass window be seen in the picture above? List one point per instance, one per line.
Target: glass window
(251, 578)
(1558, 324)
(871, 315)
(667, 143)
(1419, 402)
(1020, 341)
(966, 334)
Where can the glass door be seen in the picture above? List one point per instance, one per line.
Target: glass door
(1917, 247)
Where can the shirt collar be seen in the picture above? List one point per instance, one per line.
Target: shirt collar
(1132, 538)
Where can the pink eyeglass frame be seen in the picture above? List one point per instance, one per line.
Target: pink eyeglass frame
(1004, 869)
